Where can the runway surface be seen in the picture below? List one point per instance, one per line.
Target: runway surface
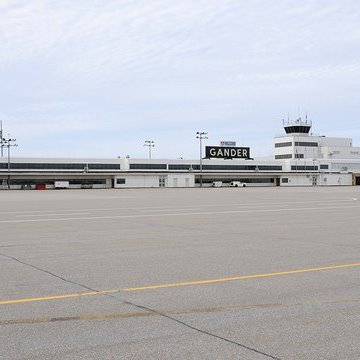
(220, 273)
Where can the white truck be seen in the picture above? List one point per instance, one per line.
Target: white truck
(61, 184)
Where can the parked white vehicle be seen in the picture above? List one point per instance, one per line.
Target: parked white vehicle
(61, 184)
(237, 184)
(217, 184)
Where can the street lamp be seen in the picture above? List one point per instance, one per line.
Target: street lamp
(8, 143)
(1, 139)
(150, 144)
(201, 135)
(316, 171)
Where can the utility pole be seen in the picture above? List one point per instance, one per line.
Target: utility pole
(150, 144)
(201, 135)
(8, 143)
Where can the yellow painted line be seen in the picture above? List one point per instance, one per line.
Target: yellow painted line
(235, 278)
(73, 318)
(178, 284)
(239, 307)
(56, 297)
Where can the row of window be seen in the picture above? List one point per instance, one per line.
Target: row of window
(103, 166)
(52, 181)
(306, 143)
(190, 167)
(283, 156)
(297, 143)
(230, 167)
(148, 166)
(297, 129)
(60, 166)
(186, 167)
(289, 156)
(243, 167)
(242, 180)
(284, 144)
(303, 168)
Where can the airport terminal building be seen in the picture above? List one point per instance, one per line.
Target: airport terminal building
(299, 159)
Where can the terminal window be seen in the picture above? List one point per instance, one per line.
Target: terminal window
(306, 143)
(283, 156)
(283, 144)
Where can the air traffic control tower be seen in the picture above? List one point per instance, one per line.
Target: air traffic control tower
(297, 143)
(297, 127)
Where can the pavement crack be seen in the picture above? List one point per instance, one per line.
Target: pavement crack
(205, 332)
(144, 308)
(47, 272)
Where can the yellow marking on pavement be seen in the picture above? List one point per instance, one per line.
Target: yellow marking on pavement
(56, 297)
(88, 317)
(235, 278)
(139, 314)
(178, 284)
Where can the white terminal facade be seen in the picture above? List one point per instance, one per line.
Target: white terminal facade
(299, 159)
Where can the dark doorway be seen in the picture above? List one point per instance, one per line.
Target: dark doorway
(357, 180)
(277, 181)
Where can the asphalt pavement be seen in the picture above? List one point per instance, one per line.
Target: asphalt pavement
(213, 273)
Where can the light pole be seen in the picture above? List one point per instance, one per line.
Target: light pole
(150, 144)
(1, 139)
(316, 172)
(201, 135)
(8, 143)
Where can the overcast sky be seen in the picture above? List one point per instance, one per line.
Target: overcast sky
(97, 78)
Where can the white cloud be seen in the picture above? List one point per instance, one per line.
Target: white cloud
(152, 66)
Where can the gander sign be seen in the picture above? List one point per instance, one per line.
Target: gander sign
(227, 152)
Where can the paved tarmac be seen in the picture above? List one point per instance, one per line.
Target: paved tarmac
(224, 273)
